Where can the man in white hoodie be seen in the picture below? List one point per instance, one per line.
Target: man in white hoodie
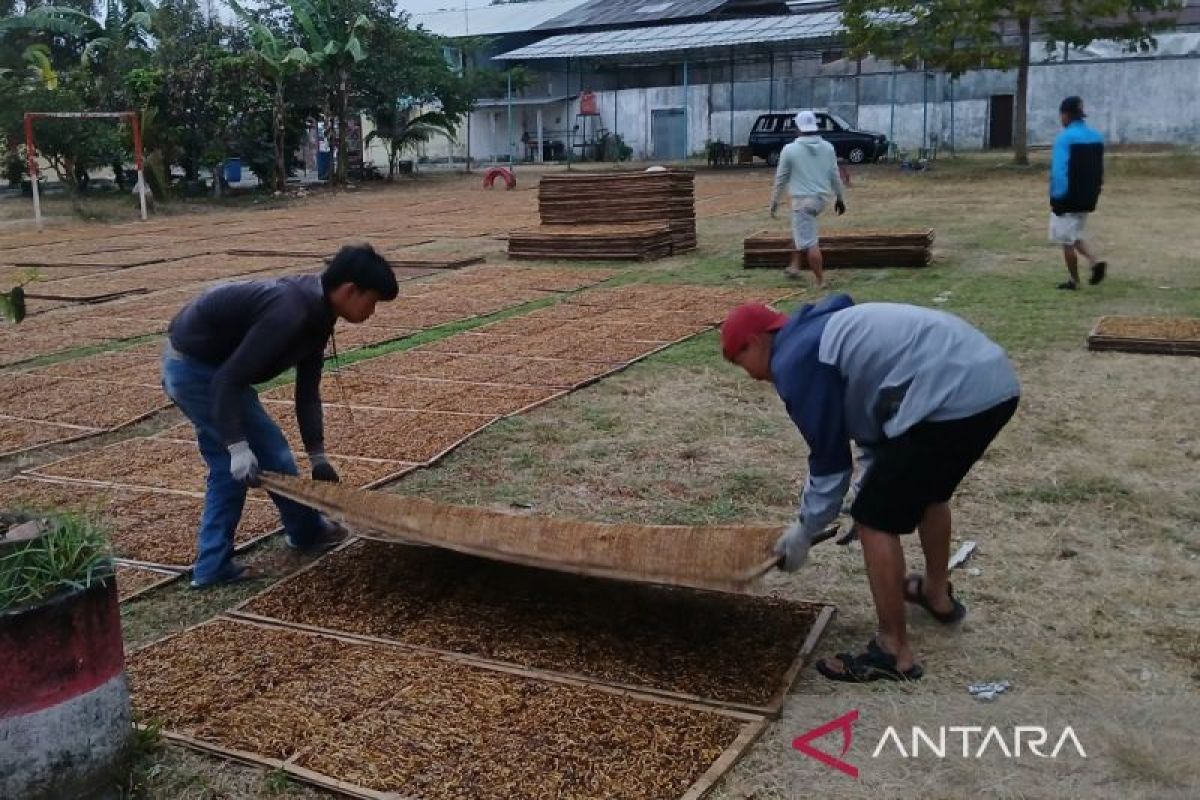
(808, 171)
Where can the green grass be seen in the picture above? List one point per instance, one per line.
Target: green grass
(1106, 491)
(73, 555)
(90, 350)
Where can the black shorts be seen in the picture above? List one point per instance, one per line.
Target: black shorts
(924, 466)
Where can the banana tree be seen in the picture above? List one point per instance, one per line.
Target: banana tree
(57, 20)
(38, 66)
(276, 58)
(334, 43)
(124, 24)
(401, 130)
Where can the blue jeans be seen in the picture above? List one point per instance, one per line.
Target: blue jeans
(189, 384)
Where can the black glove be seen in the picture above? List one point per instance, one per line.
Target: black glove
(839, 207)
(322, 470)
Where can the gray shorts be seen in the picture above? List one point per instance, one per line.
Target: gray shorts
(804, 221)
(1067, 228)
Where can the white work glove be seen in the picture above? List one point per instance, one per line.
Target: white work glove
(793, 546)
(242, 463)
(322, 470)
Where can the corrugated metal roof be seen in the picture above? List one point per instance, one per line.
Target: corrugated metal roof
(494, 20)
(632, 12)
(688, 36)
(494, 102)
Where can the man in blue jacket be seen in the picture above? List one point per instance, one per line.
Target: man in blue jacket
(235, 336)
(1076, 176)
(923, 394)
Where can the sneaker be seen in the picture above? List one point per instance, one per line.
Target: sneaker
(1098, 271)
(331, 535)
(1068, 285)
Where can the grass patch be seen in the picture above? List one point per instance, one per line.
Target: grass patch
(1109, 492)
(72, 555)
(90, 350)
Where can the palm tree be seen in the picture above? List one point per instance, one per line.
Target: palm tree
(402, 131)
(275, 59)
(334, 43)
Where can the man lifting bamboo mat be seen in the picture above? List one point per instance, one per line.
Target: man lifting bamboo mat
(726, 557)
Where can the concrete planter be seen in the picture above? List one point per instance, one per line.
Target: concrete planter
(64, 702)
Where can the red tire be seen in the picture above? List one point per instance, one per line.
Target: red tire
(489, 177)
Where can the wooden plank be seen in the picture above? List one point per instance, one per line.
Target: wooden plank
(323, 781)
(806, 650)
(749, 735)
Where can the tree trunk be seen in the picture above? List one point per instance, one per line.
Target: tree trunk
(391, 151)
(1020, 126)
(280, 155)
(343, 101)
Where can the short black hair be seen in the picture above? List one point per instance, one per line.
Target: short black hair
(365, 268)
(1072, 106)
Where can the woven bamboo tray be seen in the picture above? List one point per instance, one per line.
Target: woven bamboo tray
(1150, 335)
(717, 557)
(408, 717)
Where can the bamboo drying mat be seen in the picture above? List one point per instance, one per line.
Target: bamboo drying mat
(318, 737)
(19, 435)
(1179, 336)
(419, 598)
(717, 557)
(147, 527)
(134, 580)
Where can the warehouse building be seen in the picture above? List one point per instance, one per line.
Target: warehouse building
(666, 77)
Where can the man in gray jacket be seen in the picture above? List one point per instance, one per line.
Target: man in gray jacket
(923, 394)
(808, 172)
(235, 336)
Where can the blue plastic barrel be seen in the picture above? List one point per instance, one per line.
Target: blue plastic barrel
(324, 161)
(233, 170)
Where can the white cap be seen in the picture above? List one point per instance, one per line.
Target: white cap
(806, 121)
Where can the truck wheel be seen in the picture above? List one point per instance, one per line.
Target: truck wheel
(856, 155)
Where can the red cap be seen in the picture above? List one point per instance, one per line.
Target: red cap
(744, 323)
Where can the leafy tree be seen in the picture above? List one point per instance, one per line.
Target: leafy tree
(962, 35)
(332, 32)
(275, 59)
(407, 88)
(72, 147)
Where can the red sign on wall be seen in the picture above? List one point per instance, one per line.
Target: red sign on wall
(588, 103)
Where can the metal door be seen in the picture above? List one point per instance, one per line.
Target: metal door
(666, 133)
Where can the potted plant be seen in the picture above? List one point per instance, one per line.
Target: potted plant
(64, 700)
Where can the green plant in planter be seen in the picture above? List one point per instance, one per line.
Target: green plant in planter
(72, 555)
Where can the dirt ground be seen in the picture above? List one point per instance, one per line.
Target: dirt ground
(1084, 590)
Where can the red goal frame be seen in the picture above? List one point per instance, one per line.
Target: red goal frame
(31, 149)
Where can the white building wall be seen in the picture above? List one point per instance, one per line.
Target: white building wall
(1133, 101)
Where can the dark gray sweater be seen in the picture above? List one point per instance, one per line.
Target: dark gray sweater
(252, 331)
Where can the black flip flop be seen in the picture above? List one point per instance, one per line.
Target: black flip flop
(873, 665)
(914, 592)
(1099, 270)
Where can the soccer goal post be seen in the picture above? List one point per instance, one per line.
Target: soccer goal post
(119, 116)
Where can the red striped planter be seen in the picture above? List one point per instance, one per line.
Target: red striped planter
(64, 702)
